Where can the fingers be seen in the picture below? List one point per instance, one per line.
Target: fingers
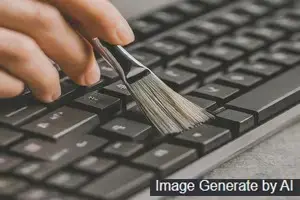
(44, 23)
(22, 57)
(9, 85)
(99, 18)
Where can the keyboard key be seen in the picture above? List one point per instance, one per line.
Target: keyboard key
(279, 58)
(244, 43)
(123, 149)
(107, 71)
(126, 129)
(123, 181)
(203, 103)
(189, 37)
(145, 28)
(10, 186)
(8, 162)
(167, 158)
(205, 138)
(283, 23)
(274, 3)
(189, 8)
(95, 165)
(293, 47)
(264, 33)
(67, 180)
(216, 92)
(102, 104)
(252, 9)
(166, 17)
(211, 28)
(68, 90)
(236, 121)
(61, 152)
(239, 80)
(260, 69)
(145, 58)
(8, 136)
(176, 78)
(166, 48)
(271, 97)
(35, 193)
(62, 122)
(118, 89)
(232, 19)
(16, 113)
(200, 65)
(214, 3)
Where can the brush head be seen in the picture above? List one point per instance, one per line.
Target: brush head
(169, 112)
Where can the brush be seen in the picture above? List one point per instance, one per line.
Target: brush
(167, 110)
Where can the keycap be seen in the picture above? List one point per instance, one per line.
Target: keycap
(118, 184)
(283, 23)
(214, 3)
(136, 114)
(61, 152)
(236, 121)
(95, 165)
(274, 3)
(67, 180)
(107, 71)
(189, 8)
(167, 158)
(216, 92)
(36, 193)
(271, 97)
(119, 90)
(166, 48)
(68, 90)
(8, 136)
(147, 59)
(244, 43)
(189, 37)
(205, 138)
(16, 113)
(167, 17)
(10, 186)
(123, 149)
(232, 19)
(203, 103)
(62, 122)
(265, 33)
(102, 104)
(126, 129)
(293, 47)
(279, 58)
(144, 28)
(292, 13)
(176, 78)
(200, 65)
(239, 80)
(260, 69)
(211, 28)
(252, 9)
(8, 162)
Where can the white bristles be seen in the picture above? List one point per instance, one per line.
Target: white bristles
(167, 110)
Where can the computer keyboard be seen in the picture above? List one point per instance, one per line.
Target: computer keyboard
(238, 59)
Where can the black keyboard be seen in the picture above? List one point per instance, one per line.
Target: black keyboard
(238, 59)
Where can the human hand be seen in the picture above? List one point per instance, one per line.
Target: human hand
(31, 31)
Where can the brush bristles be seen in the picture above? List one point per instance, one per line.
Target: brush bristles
(167, 110)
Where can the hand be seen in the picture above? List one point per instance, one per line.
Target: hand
(31, 31)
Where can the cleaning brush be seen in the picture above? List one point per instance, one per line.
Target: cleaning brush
(167, 110)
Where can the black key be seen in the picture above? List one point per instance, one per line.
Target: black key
(68, 90)
(222, 53)
(176, 78)
(200, 65)
(102, 104)
(292, 13)
(107, 71)
(38, 194)
(260, 69)
(95, 165)
(118, 184)
(240, 80)
(211, 28)
(8, 136)
(278, 58)
(67, 180)
(205, 138)
(62, 122)
(166, 48)
(10, 186)
(237, 122)
(244, 43)
(147, 59)
(293, 47)
(189, 37)
(16, 113)
(283, 23)
(136, 114)
(214, 3)
(252, 9)
(62, 152)
(123, 149)
(203, 103)
(166, 17)
(189, 8)
(8, 162)
(167, 158)
(275, 3)
(216, 92)
(264, 33)
(145, 28)
(232, 19)
(118, 89)
(127, 129)
(272, 97)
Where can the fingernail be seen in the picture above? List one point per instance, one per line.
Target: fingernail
(56, 95)
(92, 76)
(124, 32)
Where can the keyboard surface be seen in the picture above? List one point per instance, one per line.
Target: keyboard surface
(238, 59)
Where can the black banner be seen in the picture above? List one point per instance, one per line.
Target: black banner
(225, 187)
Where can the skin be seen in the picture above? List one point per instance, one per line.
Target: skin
(32, 31)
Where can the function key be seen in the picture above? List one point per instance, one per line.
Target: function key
(232, 19)
(123, 149)
(260, 69)
(244, 43)
(67, 180)
(211, 28)
(189, 8)
(189, 37)
(147, 59)
(166, 48)
(8, 136)
(145, 28)
(167, 17)
(239, 80)
(265, 33)
(203, 103)
(94, 165)
(278, 58)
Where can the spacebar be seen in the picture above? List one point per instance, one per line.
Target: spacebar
(272, 97)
